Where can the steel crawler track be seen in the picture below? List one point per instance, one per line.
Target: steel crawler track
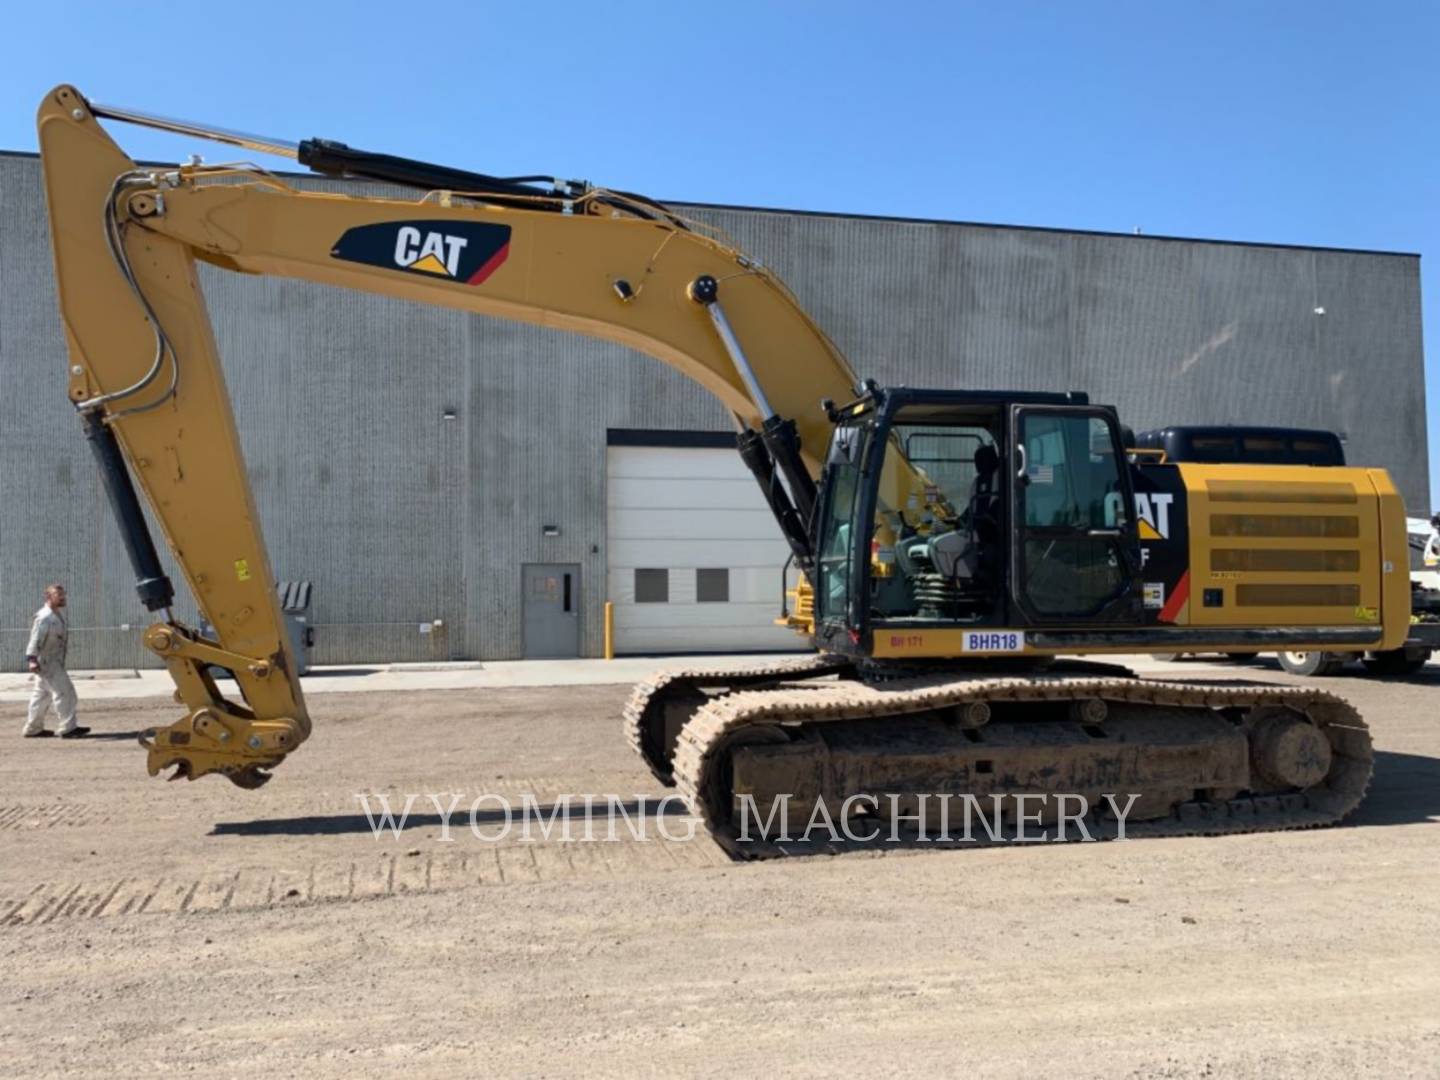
(701, 750)
(644, 713)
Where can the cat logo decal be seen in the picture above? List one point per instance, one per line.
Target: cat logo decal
(467, 252)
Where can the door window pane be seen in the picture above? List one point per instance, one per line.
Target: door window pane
(1071, 576)
(836, 560)
(1072, 477)
(1074, 514)
(652, 586)
(712, 586)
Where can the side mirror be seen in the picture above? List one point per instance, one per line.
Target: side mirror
(844, 448)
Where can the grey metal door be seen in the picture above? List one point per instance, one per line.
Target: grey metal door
(552, 610)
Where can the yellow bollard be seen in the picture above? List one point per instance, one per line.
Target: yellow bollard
(609, 630)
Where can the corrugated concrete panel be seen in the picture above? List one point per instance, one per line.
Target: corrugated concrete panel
(359, 479)
(401, 517)
(53, 524)
(540, 404)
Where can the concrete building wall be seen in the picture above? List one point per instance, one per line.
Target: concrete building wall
(401, 517)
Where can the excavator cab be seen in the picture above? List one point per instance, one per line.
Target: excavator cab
(942, 510)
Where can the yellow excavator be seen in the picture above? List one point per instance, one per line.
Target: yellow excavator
(952, 544)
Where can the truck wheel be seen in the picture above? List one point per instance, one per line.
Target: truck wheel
(1397, 661)
(1312, 663)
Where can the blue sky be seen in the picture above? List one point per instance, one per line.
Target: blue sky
(1304, 123)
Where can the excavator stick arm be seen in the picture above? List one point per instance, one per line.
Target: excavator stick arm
(154, 380)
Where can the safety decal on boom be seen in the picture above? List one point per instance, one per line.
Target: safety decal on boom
(467, 251)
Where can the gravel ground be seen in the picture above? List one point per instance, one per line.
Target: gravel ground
(149, 929)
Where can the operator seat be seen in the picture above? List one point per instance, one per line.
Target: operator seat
(970, 554)
(983, 512)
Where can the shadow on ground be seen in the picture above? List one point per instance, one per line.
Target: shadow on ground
(1405, 789)
(540, 816)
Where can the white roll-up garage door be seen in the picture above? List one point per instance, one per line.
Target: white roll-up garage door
(694, 555)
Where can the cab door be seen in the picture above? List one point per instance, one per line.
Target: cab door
(1075, 550)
